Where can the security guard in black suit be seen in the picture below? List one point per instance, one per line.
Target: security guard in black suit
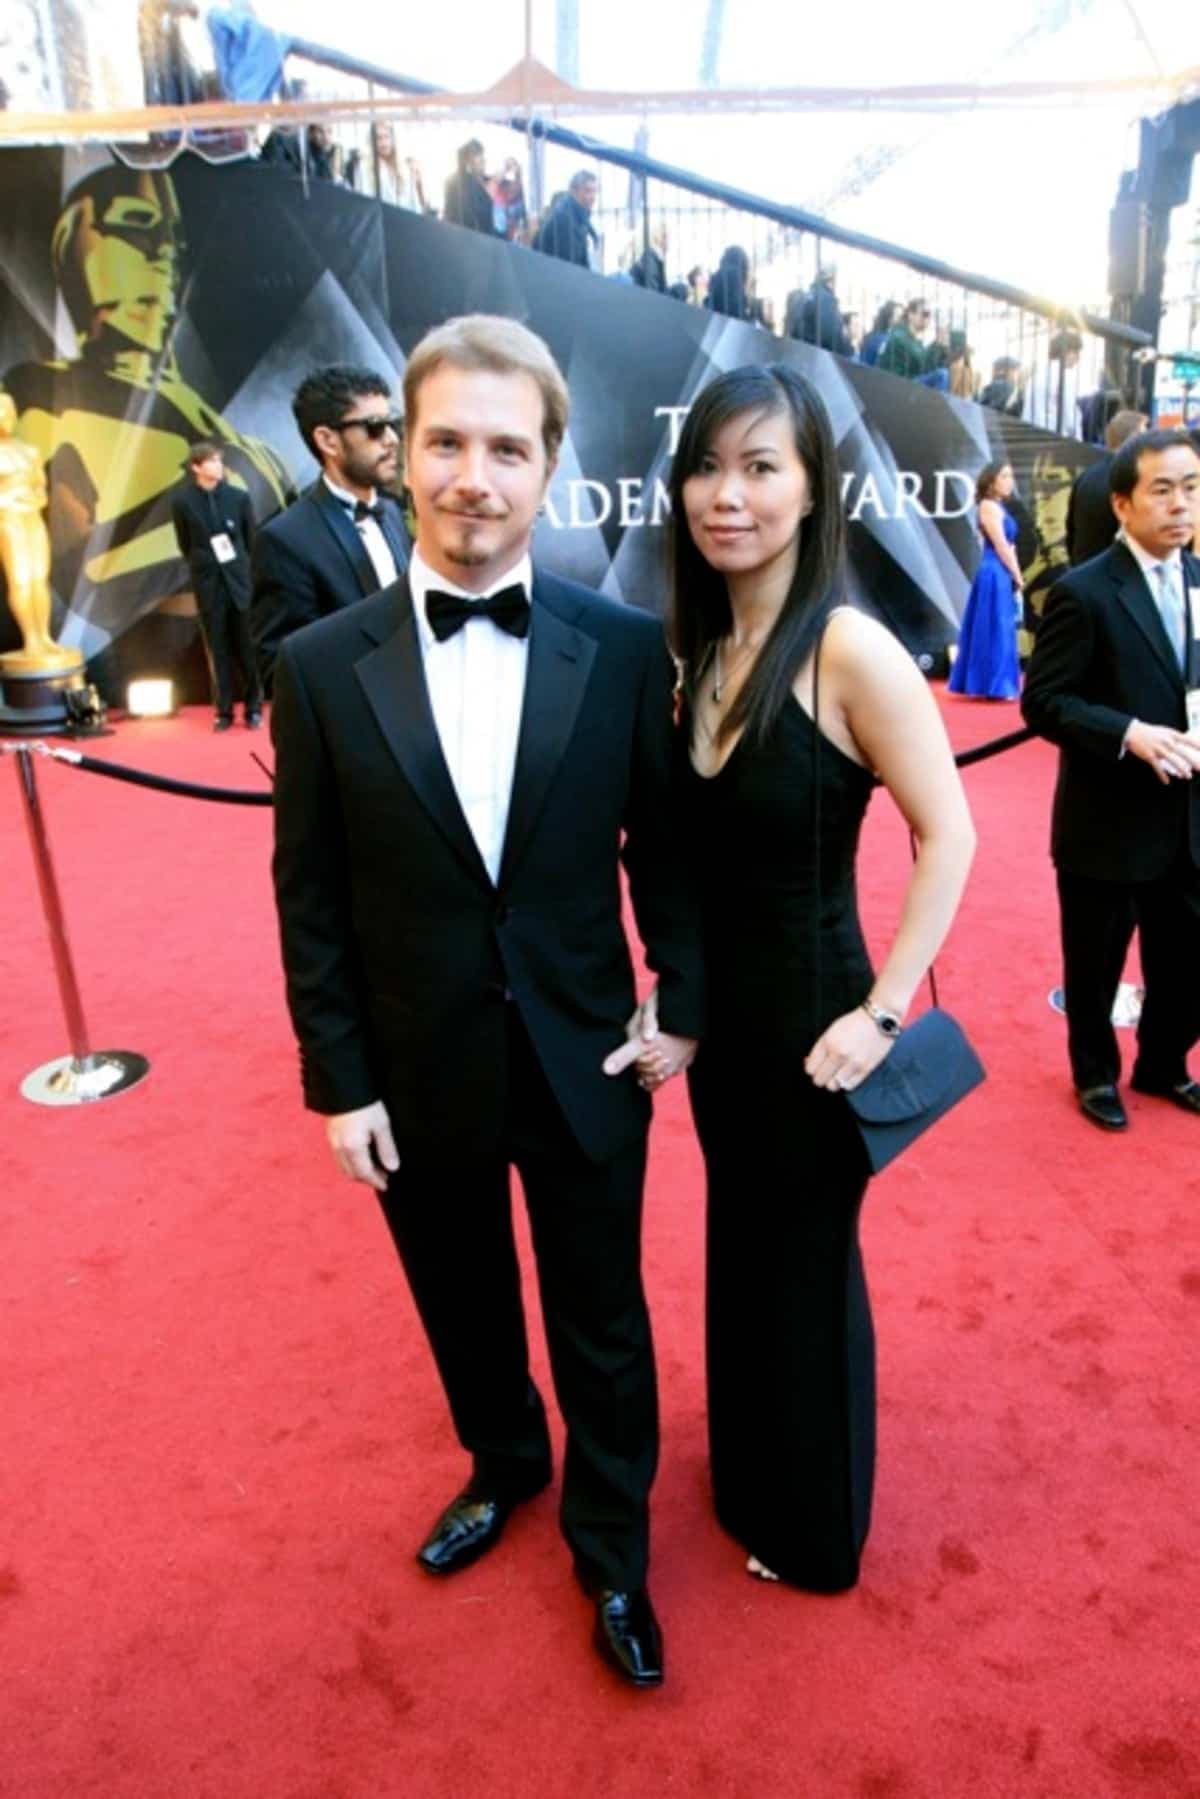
(214, 528)
(1115, 681)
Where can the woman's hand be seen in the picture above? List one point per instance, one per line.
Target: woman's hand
(846, 1053)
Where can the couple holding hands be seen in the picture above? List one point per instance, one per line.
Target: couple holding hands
(463, 762)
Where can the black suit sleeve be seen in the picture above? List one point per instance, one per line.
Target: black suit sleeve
(325, 987)
(665, 898)
(284, 598)
(1053, 701)
(247, 521)
(181, 518)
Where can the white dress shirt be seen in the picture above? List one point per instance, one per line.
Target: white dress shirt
(476, 682)
(373, 540)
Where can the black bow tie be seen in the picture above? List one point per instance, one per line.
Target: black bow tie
(448, 612)
(362, 511)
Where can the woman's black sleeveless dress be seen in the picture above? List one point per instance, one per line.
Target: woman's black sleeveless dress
(790, 1347)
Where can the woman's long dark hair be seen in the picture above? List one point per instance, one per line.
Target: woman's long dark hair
(699, 614)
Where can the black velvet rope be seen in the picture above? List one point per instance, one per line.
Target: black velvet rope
(192, 790)
(996, 747)
(241, 796)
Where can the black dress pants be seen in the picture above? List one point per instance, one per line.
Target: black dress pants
(1096, 920)
(228, 641)
(451, 1220)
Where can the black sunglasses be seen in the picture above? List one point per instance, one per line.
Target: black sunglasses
(375, 427)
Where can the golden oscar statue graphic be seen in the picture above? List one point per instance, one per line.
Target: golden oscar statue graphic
(112, 418)
(25, 554)
(35, 678)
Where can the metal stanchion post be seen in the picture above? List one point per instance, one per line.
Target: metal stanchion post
(85, 1074)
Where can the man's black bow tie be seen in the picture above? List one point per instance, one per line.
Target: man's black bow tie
(448, 612)
(362, 511)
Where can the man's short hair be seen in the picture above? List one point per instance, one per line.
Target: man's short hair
(203, 450)
(581, 178)
(1065, 343)
(917, 305)
(326, 396)
(500, 346)
(1122, 426)
(1123, 470)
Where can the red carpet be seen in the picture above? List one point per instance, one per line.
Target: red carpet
(223, 1438)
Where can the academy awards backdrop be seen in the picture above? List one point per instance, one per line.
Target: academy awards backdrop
(141, 310)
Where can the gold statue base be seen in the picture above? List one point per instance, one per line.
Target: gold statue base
(33, 702)
(52, 660)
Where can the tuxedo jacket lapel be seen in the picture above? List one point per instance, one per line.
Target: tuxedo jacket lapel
(1134, 595)
(560, 663)
(391, 525)
(393, 678)
(345, 534)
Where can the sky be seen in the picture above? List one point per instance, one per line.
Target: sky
(1023, 195)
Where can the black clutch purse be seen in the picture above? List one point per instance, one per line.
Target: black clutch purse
(930, 1066)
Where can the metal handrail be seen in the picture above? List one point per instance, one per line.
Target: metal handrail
(210, 115)
(793, 217)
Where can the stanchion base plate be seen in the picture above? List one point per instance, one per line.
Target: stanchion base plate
(102, 1075)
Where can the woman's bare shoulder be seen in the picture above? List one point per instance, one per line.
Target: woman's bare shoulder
(852, 633)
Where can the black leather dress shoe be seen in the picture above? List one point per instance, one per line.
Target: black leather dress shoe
(628, 1637)
(1103, 1106)
(468, 1527)
(1185, 1094)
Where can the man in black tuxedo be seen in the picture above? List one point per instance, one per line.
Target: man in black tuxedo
(345, 537)
(214, 528)
(458, 760)
(1091, 521)
(1115, 681)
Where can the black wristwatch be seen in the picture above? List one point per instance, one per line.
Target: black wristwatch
(886, 1021)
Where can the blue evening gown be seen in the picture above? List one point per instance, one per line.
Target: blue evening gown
(986, 666)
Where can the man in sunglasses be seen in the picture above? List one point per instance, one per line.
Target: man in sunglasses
(345, 538)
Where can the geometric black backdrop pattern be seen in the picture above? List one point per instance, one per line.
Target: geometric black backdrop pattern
(272, 276)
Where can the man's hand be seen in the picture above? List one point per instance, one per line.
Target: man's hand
(657, 1053)
(1171, 754)
(354, 1135)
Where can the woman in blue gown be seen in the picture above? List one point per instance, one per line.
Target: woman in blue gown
(986, 667)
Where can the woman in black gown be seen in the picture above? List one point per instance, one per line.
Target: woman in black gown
(758, 586)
